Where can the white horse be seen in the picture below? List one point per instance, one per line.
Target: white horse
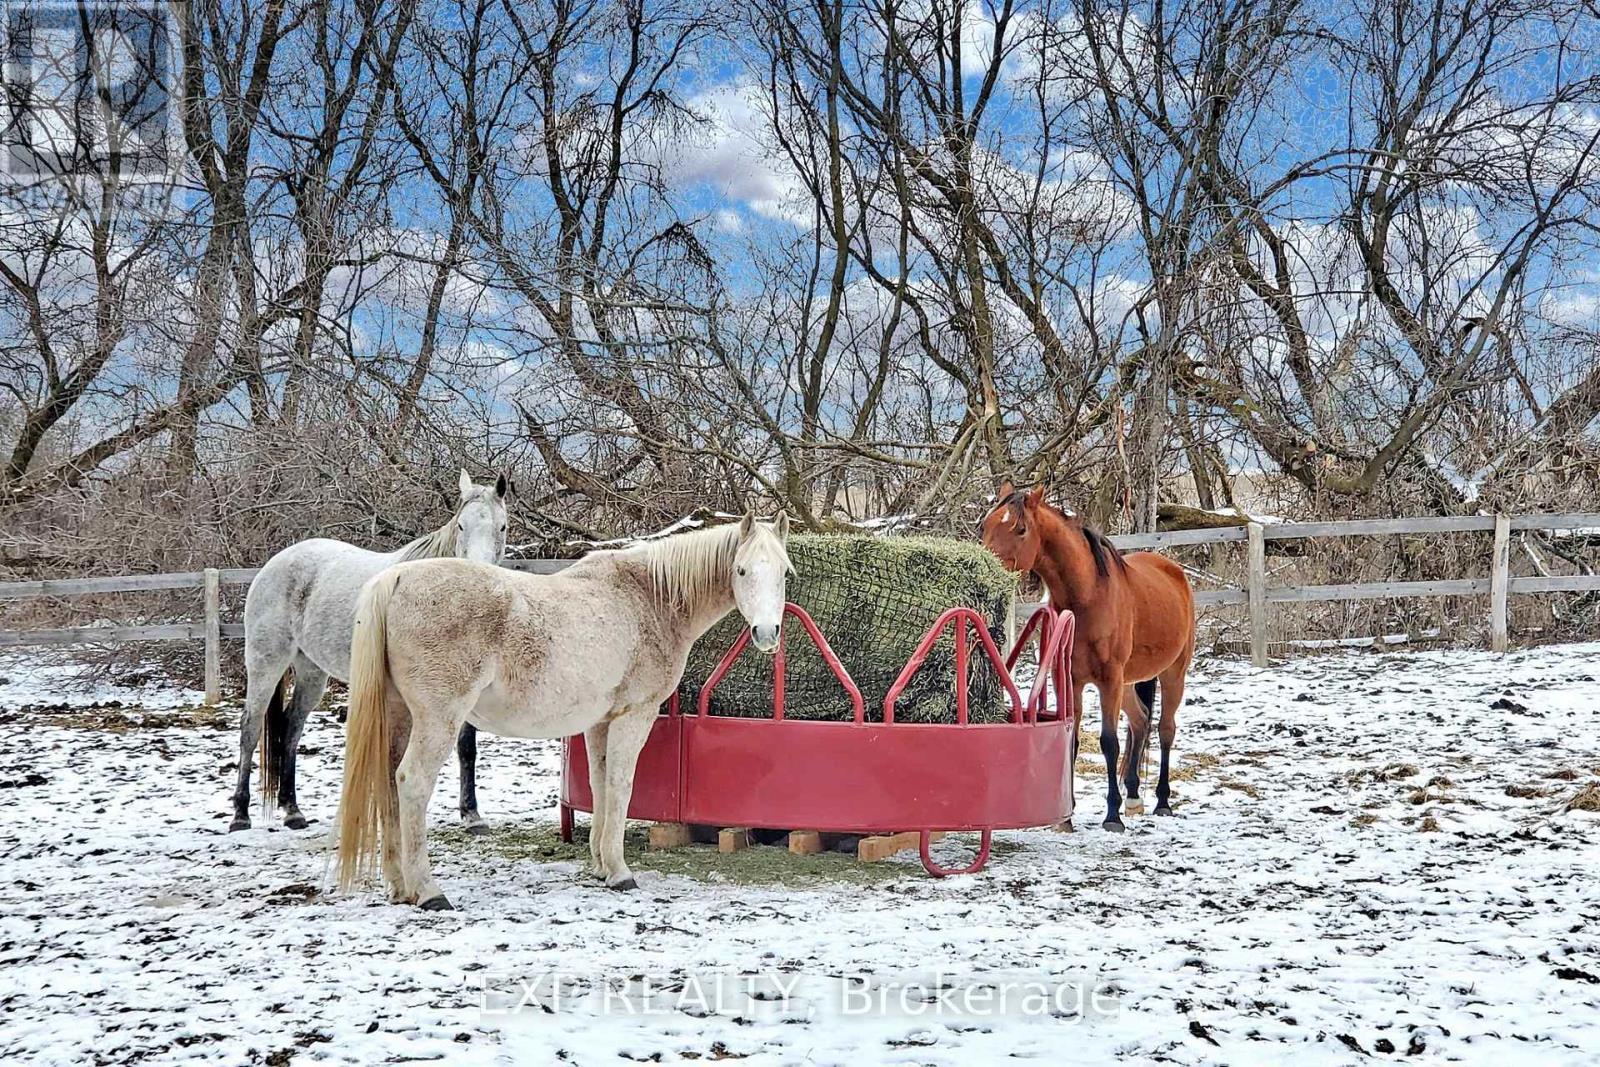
(300, 612)
(594, 650)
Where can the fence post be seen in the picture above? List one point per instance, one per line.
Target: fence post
(1500, 583)
(1258, 594)
(213, 594)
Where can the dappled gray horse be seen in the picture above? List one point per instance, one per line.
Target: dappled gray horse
(300, 612)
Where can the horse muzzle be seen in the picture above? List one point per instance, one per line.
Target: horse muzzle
(765, 638)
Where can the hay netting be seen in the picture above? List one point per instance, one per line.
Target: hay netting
(873, 598)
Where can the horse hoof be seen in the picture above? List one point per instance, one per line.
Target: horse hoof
(1114, 825)
(294, 822)
(438, 903)
(623, 886)
(477, 829)
(1163, 810)
(1133, 806)
(240, 823)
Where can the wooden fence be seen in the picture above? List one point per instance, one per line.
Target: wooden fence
(1256, 594)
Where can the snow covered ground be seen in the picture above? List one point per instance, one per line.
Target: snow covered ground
(1348, 879)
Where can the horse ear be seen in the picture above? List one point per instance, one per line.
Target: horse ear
(1005, 490)
(747, 524)
(780, 526)
(466, 483)
(500, 486)
(1035, 497)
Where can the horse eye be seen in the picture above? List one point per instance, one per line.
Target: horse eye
(741, 572)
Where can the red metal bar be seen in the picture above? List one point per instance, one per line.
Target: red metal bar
(1067, 624)
(925, 646)
(721, 670)
(825, 650)
(779, 677)
(1055, 631)
(961, 670)
(1042, 623)
(945, 872)
(566, 823)
(1051, 651)
(1042, 615)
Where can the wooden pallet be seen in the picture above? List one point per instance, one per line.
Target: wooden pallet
(882, 846)
(871, 849)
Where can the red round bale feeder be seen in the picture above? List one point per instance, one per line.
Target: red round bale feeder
(863, 777)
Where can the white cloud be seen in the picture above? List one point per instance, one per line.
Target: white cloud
(732, 153)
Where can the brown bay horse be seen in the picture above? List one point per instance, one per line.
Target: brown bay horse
(1135, 627)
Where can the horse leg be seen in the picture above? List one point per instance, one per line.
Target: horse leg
(625, 739)
(433, 735)
(309, 684)
(467, 756)
(264, 678)
(1110, 707)
(1136, 704)
(1171, 696)
(594, 742)
(399, 739)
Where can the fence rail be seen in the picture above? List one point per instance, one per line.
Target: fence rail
(1256, 594)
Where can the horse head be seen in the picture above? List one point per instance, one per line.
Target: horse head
(481, 520)
(760, 569)
(1011, 529)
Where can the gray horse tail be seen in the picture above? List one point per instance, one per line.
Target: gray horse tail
(368, 800)
(274, 741)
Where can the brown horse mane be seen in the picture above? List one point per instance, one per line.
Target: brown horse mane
(1100, 547)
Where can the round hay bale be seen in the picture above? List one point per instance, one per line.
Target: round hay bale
(873, 598)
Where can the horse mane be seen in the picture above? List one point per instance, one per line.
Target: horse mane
(1100, 547)
(433, 545)
(687, 568)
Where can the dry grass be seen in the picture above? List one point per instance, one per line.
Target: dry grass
(1192, 763)
(1390, 773)
(116, 720)
(1586, 799)
(1186, 766)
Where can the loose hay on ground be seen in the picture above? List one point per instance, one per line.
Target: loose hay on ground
(1586, 799)
(762, 865)
(756, 866)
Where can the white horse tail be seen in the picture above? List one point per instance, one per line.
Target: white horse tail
(368, 799)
